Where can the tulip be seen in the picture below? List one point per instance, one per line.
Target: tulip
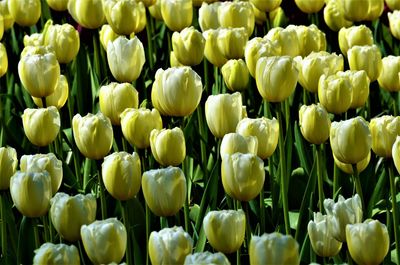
(334, 93)
(137, 124)
(375, 9)
(108, 235)
(274, 248)
(236, 143)
(35, 39)
(125, 16)
(343, 212)
(321, 238)
(58, 98)
(314, 123)
(368, 242)
(311, 39)
(168, 146)
(356, 35)
(155, 10)
(353, 11)
(114, 98)
(389, 79)
(366, 58)
(310, 7)
(236, 15)
(177, 14)
(348, 168)
(25, 13)
(278, 18)
(58, 5)
(236, 75)
(176, 91)
(169, 246)
(8, 166)
(211, 50)
(276, 77)
(41, 126)
(107, 34)
(223, 113)
(393, 4)
(1, 26)
(125, 58)
(396, 153)
(287, 39)
(208, 16)
(93, 134)
(260, 17)
(206, 258)
(147, 3)
(188, 46)
(164, 190)
(50, 253)
(266, 5)
(8, 20)
(334, 16)
(384, 131)
(231, 42)
(359, 87)
(69, 213)
(88, 13)
(219, 227)
(3, 60)
(174, 61)
(31, 192)
(39, 71)
(44, 162)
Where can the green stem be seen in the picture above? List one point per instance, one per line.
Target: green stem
(320, 178)
(248, 227)
(3, 228)
(125, 218)
(358, 185)
(335, 179)
(163, 222)
(46, 228)
(36, 232)
(262, 212)
(102, 195)
(149, 39)
(44, 103)
(147, 233)
(186, 206)
(395, 214)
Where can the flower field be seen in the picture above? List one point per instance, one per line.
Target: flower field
(199, 132)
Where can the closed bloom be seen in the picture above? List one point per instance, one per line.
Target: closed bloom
(121, 174)
(396, 153)
(231, 42)
(35, 39)
(164, 190)
(276, 77)
(93, 134)
(177, 14)
(41, 126)
(137, 124)
(236, 15)
(44, 162)
(353, 11)
(211, 50)
(31, 192)
(69, 213)
(155, 10)
(107, 34)
(39, 71)
(356, 35)
(343, 212)
(393, 4)
(359, 87)
(314, 123)
(375, 9)
(334, 93)
(322, 241)
(348, 168)
(188, 46)
(8, 20)
(125, 16)
(88, 13)
(3, 60)
(169, 246)
(208, 16)
(311, 39)
(206, 258)
(225, 229)
(266, 5)
(58, 98)
(114, 98)
(8, 166)
(350, 140)
(287, 39)
(62, 254)
(384, 131)
(25, 12)
(108, 235)
(242, 175)
(223, 113)
(236, 143)
(334, 16)
(309, 7)
(235, 74)
(168, 146)
(125, 58)
(368, 242)
(366, 58)
(58, 5)
(274, 248)
(389, 79)
(176, 91)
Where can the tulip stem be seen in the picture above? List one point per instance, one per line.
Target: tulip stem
(125, 217)
(36, 232)
(320, 180)
(395, 215)
(358, 185)
(147, 233)
(3, 228)
(149, 31)
(102, 195)
(248, 227)
(44, 103)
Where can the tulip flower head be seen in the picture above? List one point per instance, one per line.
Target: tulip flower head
(168, 146)
(8, 166)
(206, 258)
(314, 123)
(3, 60)
(50, 253)
(58, 98)
(88, 13)
(389, 78)
(25, 13)
(177, 14)
(334, 16)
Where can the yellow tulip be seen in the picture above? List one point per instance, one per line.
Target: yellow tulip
(147, 3)
(8, 20)
(311, 39)
(211, 50)
(231, 42)
(266, 5)
(236, 143)
(356, 35)
(235, 74)
(25, 13)
(35, 39)
(384, 131)
(348, 168)
(155, 10)
(174, 61)
(168, 146)
(334, 93)
(3, 60)
(393, 4)
(353, 11)
(177, 14)
(389, 79)
(359, 87)
(309, 7)
(287, 39)
(88, 13)
(58, 5)
(314, 123)
(188, 46)
(206, 258)
(236, 15)
(50, 253)
(58, 98)
(8, 166)
(366, 58)
(208, 16)
(334, 16)
(396, 153)
(107, 34)
(260, 16)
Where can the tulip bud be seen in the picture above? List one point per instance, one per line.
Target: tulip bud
(260, 16)
(236, 143)
(236, 15)
(39, 71)
(396, 153)
(353, 11)
(211, 50)
(125, 58)
(164, 190)
(69, 213)
(88, 13)
(177, 15)
(348, 168)
(223, 113)
(44, 162)
(278, 18)
(173, 61)
(8, 20)
(8, 166)
(311, 39)
(137, 124)
(208, 16)
(93, 134)
(125, 16)
(286, 39)
(35, 39)
(359, 87)
(58, 98)
(31, 192)
(176, 91)
(188, 46)
(274, 248)
(50, 253)
(168, 146)
(231, 42)
(389, 79)
(343, 212)
(366, 58)
(393, 4)
(375, 9)
(334, 16)
(368, 242)
(206, 258)
(219, 227)
(41, 126)
(58, 5)
(3, 60)
(309, 7)
(322, 241)
(350, 140)
(108, 235)
(114, 98)
(314, 123)
(169, 246)
(334, 93)
(266, 5)
(356, 35)
(235, 74)
(384, 131)
(25, 12)
(107, 34)
(276, 77)
(155, 10)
